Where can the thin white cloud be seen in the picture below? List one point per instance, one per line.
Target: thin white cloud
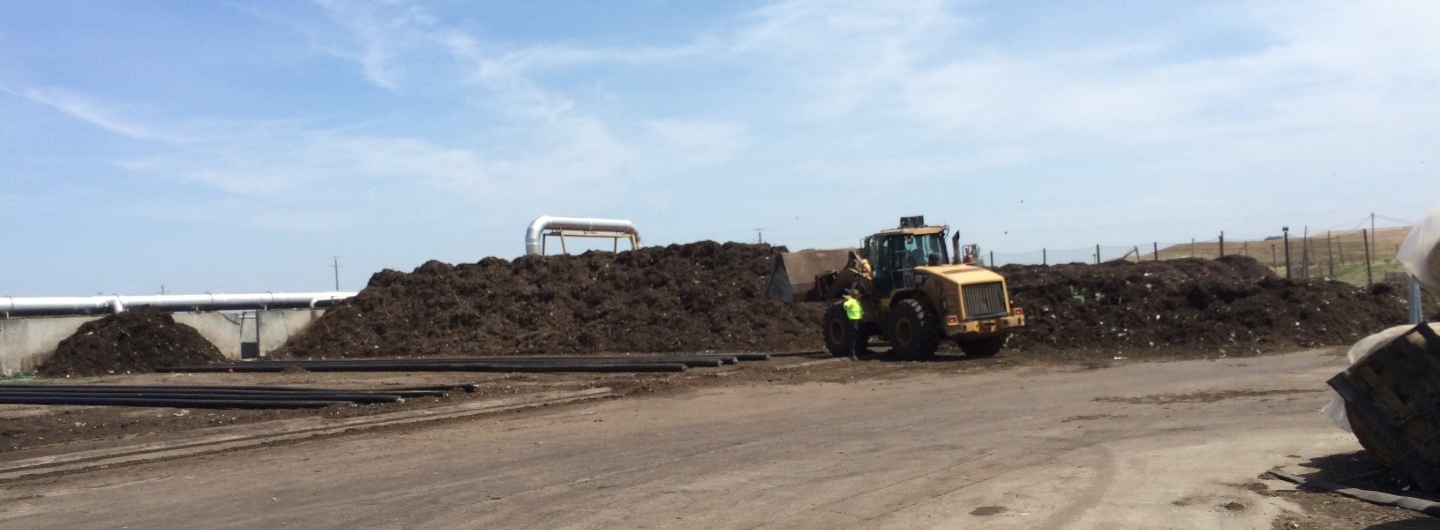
(386, 34)
(91, 111)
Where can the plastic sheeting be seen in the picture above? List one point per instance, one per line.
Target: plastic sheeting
(1420, 253)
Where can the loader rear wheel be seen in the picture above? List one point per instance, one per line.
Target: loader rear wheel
(837, 331)
(914, 330)
(983, 347)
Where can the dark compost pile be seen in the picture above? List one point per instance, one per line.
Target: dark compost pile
(1233, 305)
(708, 296)
(703, 296)
(137, 340)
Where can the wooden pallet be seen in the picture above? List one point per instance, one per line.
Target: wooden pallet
(1392, 398)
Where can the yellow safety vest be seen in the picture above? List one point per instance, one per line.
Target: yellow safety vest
(853, 311)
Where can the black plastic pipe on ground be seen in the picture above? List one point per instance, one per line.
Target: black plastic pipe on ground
(727, 358)
(692, 360)
(363, 399)
(343, 366)
(162, 402)
(158, 390)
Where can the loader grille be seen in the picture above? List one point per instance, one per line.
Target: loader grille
(983, 300)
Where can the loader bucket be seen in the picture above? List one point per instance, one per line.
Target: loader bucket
(792, 274)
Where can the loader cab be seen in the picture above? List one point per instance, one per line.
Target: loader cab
(895, 253)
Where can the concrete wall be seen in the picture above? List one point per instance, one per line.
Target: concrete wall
(25, 343)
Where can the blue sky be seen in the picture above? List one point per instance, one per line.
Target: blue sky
(239, 146)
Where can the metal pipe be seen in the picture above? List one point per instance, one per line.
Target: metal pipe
(87, 305)
(536, 231)
(1417, 311)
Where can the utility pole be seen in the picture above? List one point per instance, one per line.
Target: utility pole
(760, 236)
(335, 264)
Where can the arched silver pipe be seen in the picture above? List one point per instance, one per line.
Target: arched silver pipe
(536, 231)
(86, 305)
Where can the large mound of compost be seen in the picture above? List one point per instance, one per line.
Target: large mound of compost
(703, 296)
(1232, 305)
(137, 340)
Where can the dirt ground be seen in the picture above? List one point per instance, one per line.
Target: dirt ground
(1004, 442)
(708, 297)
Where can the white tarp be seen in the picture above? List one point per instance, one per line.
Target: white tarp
(1420, 253)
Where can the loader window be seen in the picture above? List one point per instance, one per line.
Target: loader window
(927, 250)
(894, 258)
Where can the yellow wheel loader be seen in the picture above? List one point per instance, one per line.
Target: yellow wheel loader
(917, 296)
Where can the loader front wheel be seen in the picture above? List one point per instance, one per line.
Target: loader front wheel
(914, 330)
(837, 331)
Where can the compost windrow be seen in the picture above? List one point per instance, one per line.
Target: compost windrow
(1231, 306)
(708, 296)
(138, 340)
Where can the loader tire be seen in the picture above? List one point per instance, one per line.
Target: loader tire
(914, 330)
(987, 347)
(837, 331)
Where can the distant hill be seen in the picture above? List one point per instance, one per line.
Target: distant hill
(1338, 255)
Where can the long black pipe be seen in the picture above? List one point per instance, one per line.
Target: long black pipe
(692, 360)
(728, 358)
(155, 390)
(364, 399)
(163, 402)
(405, 366)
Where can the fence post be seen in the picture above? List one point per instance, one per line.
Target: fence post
(1097, 253)
(1286, 232)
(1305, 253)
(1222, 243)
(1330, 253)
(992, 259)
(1369, 277)
(1340, 245)
(1044, 257)
(1156, 245)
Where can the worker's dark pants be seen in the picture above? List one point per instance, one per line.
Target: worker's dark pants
(854, 337)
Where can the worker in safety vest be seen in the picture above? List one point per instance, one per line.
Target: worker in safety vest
(853, 313)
